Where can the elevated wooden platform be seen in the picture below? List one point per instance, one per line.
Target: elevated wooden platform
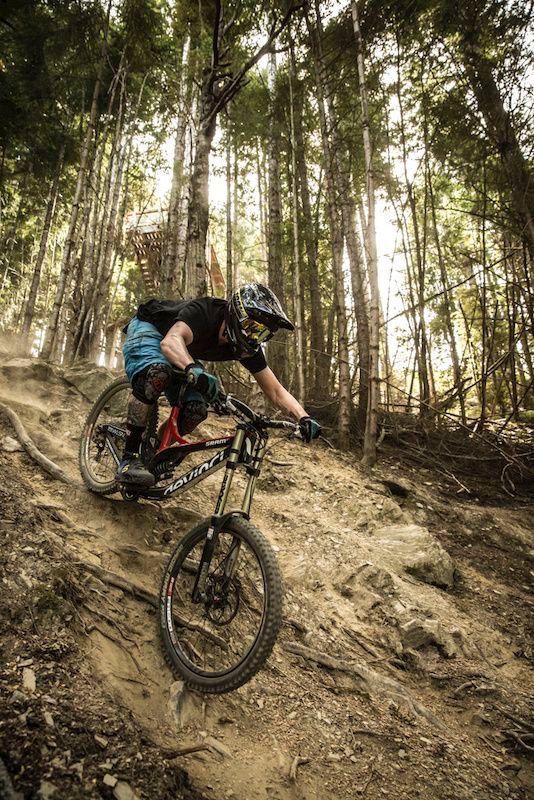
(144, 231)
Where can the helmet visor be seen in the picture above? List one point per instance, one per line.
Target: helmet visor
(255, 332)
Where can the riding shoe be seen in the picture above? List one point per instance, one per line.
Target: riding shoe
(133, 472)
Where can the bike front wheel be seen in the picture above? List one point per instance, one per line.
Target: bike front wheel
(221, 641)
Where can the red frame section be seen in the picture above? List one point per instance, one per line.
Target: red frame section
(171, 436)
(170, 432)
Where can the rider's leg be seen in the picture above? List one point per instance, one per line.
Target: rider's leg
(147, 385)
(193, 406)
(194, 411)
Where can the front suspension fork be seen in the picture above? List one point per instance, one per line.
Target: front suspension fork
(218, 519)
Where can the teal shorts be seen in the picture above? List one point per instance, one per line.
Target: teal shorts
(141, 347)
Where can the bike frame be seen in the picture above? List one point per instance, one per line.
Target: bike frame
(245, 447)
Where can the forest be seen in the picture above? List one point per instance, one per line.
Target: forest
(366, 631)
(371, 162)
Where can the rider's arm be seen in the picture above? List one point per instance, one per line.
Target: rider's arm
(277, 394)
(174, 345)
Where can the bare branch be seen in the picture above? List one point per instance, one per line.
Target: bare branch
(229, 25)
(233, 86)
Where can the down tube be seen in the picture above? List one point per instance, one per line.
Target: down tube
(192, 477)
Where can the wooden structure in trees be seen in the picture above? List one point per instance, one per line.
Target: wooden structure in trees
(145, 233)
(218, 283)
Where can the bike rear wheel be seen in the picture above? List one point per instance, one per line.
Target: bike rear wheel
(98, 464)
(219, 643)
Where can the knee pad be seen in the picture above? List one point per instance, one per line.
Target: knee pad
(152, 381)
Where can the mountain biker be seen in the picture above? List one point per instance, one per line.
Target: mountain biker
(166, 334)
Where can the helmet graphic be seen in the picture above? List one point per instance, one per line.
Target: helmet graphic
(253, 316)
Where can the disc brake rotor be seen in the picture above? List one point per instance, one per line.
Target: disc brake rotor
(222, 602)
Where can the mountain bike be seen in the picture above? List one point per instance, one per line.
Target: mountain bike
(220, 604)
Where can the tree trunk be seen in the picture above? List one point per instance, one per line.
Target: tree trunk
(449, 307)
(346, 204)
(415, 266)
(336, 239)
(229, 252)
(198, 213)
(85, 282)
(274, 230)
(260, 171)
(65, 268)
(43, 244)
(517, 174)
(91, 275)
(170, 266)
(106, 270)
(297, 281)
(369, 445)
(218, 87)
(236, 252)
(361, 300)
(320, 361)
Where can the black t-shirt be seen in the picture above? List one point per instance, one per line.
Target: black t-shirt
(204, 315)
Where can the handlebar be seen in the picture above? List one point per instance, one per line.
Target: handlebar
(228, 403)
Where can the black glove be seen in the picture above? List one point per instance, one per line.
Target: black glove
(309, 428)
(206, 383)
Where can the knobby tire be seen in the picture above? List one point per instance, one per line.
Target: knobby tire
(270, 624)
(99, 487)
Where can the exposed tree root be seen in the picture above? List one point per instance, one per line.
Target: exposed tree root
(368, 679)
(185, 751)
(139, 593)
(115, 640)
(110, 621)
(362, 788)
(57, 514)
(297, 762)
(112, 579)
(33, 451)
(520, 740)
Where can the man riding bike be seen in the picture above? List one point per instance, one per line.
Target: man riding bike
(170, 334)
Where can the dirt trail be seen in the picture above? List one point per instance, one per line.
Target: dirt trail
(406, 651)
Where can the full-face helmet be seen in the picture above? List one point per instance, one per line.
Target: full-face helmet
(253, 316)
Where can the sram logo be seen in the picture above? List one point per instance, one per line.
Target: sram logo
(190, 476)
(120, 433)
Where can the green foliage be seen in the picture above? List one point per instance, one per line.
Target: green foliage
(423, 110)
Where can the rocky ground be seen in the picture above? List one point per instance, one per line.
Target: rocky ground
(404, 666)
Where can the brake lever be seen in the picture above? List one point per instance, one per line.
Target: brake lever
(220, 410)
